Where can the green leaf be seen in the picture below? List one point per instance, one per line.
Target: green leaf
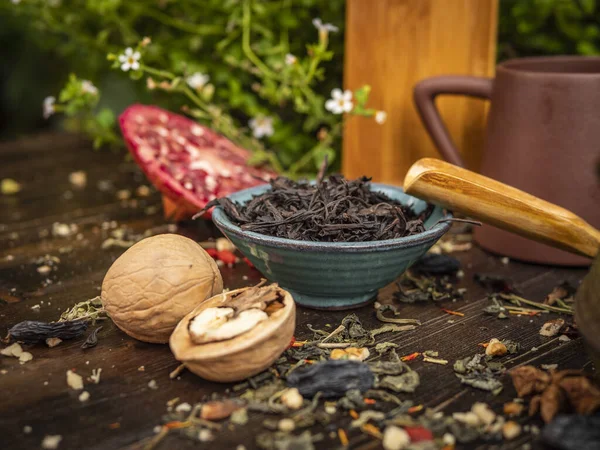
(106, 118)
(361, 95)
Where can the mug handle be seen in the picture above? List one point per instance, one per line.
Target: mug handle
(427, 90)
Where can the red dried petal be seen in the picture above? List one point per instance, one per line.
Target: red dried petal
(226, 256)
(418, 434)
(189, 163)
(213, 252)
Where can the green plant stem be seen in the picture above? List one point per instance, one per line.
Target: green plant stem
(515, 298)
(182, 25)
(247, 49)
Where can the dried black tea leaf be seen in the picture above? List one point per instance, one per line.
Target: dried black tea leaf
(332, 210)
(495, 283)
(92, 339)
(332, 378)
(434, 264)
(30, 331)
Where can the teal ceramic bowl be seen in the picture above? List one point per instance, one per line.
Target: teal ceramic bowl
(333, 275)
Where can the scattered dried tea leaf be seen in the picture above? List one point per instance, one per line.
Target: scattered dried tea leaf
(332, 378)
(407, 382)
(92, 339)
(365, 416)
(383, 308)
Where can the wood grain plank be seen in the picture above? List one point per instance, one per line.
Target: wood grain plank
(393, 44)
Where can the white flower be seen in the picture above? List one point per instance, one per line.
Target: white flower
(15, 2)
(49, 106)
(261, 126)
(324, 27)
(130, 60)
(197, 80)
(87, 87)
(340, 102)
(290, 59)
(380, 117)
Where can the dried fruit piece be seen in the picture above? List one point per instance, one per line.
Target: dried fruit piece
(189, 163)
(333, 378)
(292, 399)
(30, 331)
(211, 346)
(511, 430)
(218, 410)
(156, 282)
(552, 327)
(495, 348)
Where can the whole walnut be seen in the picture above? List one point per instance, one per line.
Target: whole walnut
(156, 282)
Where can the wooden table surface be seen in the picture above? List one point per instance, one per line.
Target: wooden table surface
(122, 409)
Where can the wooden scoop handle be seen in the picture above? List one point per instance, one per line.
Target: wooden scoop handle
(500, 205)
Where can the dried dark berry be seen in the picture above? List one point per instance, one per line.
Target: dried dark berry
(433, 264)
(332, 378)
(30, 331)
(573, 432)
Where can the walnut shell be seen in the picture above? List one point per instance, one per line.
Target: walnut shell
(242, 356)
(155, 283)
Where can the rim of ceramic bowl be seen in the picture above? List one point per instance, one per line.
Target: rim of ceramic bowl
(220, 218)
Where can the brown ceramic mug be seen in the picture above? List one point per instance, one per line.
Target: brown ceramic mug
(543, 137)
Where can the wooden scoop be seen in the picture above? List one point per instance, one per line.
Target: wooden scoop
(500, 205)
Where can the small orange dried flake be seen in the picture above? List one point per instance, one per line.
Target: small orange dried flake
(454, 313)
(410, 357)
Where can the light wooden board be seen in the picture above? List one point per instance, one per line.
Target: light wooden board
(391, 45)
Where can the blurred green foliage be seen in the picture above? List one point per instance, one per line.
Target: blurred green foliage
(241, 45)
(548, 27)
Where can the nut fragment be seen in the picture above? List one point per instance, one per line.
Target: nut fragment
(395, 438)
(511, 430)
(292, 399)
(495, 348)
(218, 324)
(218, 410)
(552, 327)
(513, 408)
(236, 334)
(484, 413)
(357, 354)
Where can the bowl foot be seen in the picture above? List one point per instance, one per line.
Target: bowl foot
(332, 303)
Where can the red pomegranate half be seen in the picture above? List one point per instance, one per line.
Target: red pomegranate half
(189, 163)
